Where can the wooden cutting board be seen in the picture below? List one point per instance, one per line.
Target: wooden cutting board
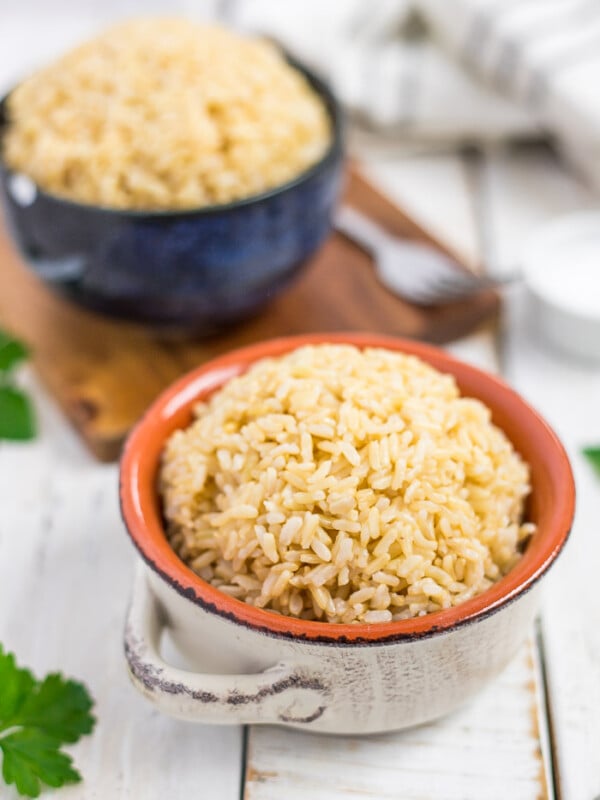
(104, 373)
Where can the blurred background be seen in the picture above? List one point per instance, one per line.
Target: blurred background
(477, 123)
(421, 80)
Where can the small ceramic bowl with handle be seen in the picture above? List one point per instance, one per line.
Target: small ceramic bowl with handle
(248, 665)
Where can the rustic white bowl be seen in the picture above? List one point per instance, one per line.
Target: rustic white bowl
(252, 666)
(561, 270)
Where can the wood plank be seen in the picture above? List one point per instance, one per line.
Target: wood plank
(65, 573)
(568, 394)
(487, 750)
(105, 373)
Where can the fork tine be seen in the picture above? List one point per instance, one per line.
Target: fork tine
(448, 286)
(416, 271)
(463, 284)
(428, 293)
(408, 284)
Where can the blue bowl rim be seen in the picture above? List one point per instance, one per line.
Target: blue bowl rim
(334, 152)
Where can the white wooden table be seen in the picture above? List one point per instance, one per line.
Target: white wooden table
(66, 568)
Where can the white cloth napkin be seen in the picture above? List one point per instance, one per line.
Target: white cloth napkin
(453, 71)
(387, 69)
(429, 73)
(544, 54)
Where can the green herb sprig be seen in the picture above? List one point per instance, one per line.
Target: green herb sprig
(17, 420)
(36, 719)
(593, 456)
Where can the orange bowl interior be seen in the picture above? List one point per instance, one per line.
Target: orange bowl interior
(551, 504)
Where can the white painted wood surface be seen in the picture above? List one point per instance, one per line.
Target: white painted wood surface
(568, 394)
(487, 751)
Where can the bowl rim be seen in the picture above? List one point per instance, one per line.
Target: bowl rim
(141, 515)
(334, 152)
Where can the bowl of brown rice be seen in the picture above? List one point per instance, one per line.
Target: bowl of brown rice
(333, 514)
(170, 172)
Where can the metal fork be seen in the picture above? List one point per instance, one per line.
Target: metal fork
(417, 272)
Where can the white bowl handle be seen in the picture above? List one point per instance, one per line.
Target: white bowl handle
(282, 694)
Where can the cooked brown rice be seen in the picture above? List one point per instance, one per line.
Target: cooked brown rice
(165, 113)
(346, 486)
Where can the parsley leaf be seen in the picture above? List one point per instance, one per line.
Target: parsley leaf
(16, 683)
(12, 352)
(36, 719)
(30, 757)
(593, 456)
(59, 707)
(17, 420)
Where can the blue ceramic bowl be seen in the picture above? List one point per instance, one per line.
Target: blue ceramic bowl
(195, 270)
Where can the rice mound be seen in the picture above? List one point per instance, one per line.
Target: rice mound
(164, 114)
(345, 485)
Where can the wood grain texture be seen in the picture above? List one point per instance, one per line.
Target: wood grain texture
(568, 394)
(489, 750)
(105, 373)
